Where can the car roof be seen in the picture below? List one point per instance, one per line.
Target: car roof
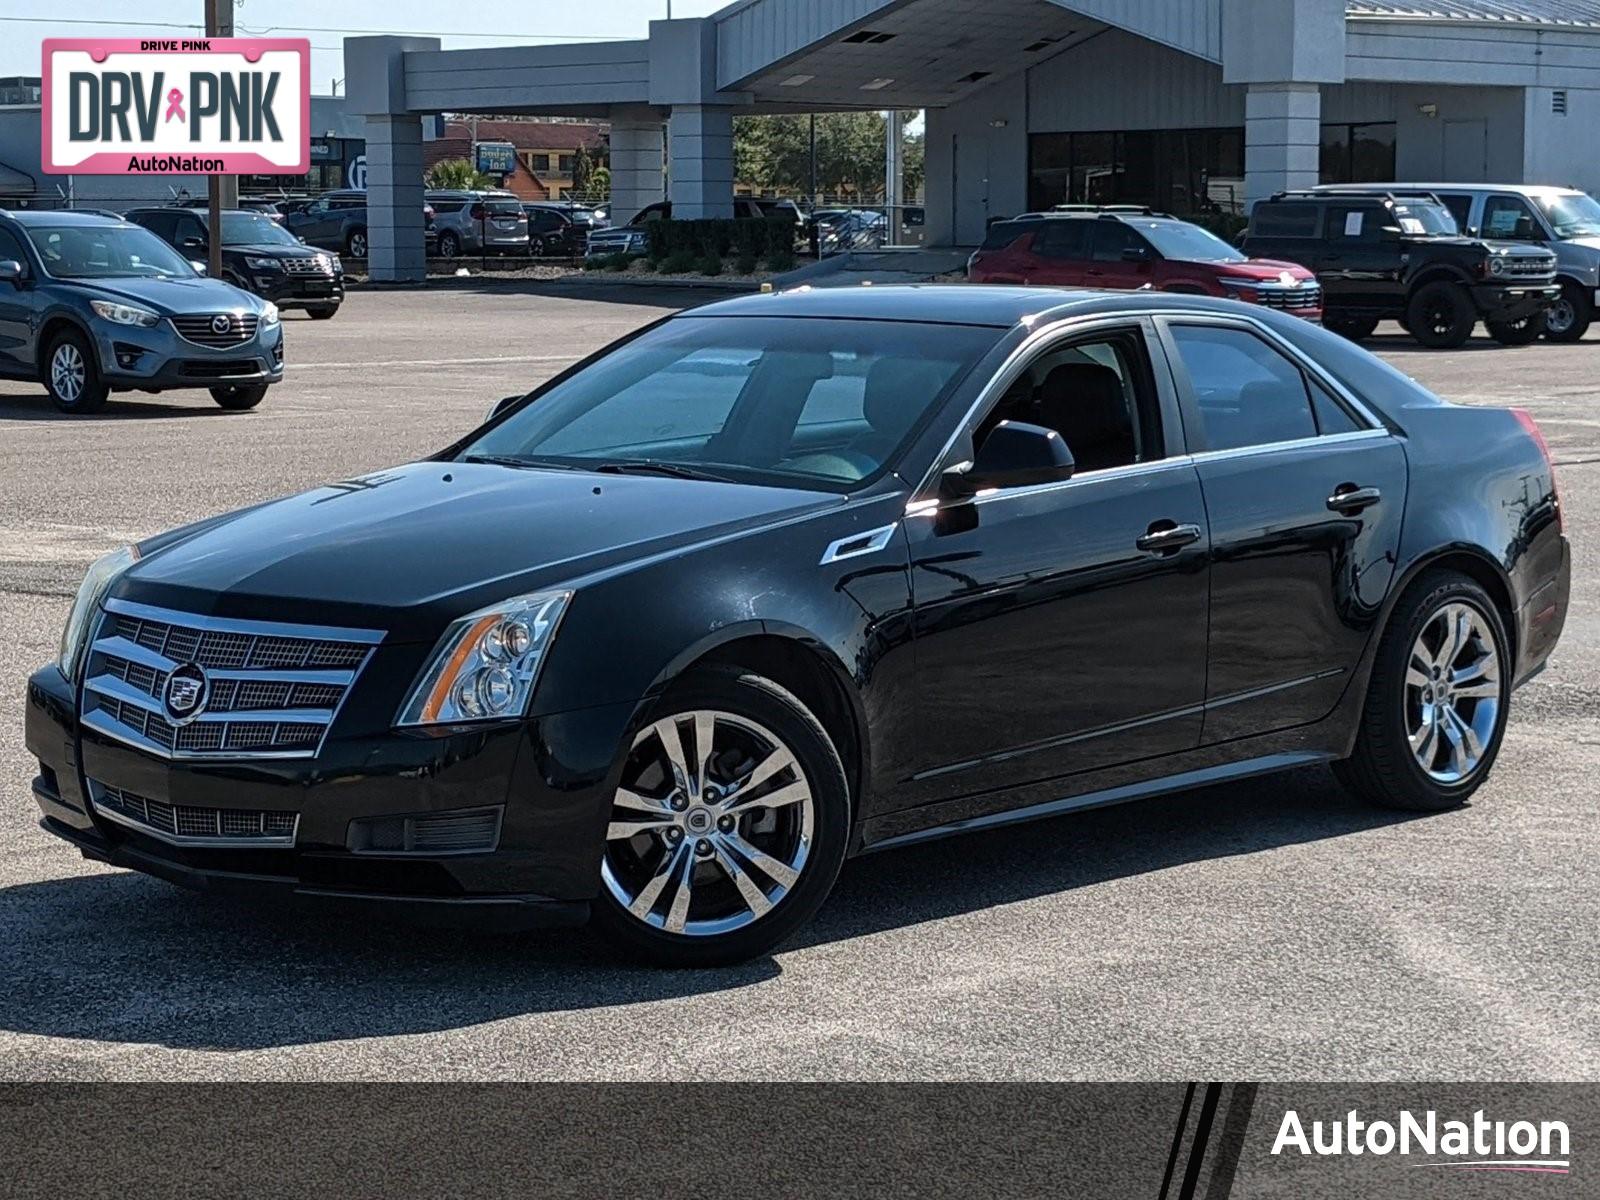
(998, 305)
(63, 216)
(1523, 189)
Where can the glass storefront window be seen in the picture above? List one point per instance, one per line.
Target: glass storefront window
(1179, 170)
(1362, 153)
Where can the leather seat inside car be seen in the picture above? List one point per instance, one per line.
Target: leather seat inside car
(1084, 403)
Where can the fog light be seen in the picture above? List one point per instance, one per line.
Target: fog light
(127, 356)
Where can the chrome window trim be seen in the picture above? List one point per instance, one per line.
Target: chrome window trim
(923, 503)
(281, 842)
(113, 688)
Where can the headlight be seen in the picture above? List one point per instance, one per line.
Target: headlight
(1497, 266)
(336, 264)
(486, 665)
(262, 264)
(102, 574)
(269, 315)
(124, 314)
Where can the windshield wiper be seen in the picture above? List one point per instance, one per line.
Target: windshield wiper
(650, 466)
(526, 464)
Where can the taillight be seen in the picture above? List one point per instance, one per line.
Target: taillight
(1525, 419)
(477, 212)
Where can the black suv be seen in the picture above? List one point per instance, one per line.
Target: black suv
(1385, 257)
(258, 255)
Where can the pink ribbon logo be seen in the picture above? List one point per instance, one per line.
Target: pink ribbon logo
(175, 105)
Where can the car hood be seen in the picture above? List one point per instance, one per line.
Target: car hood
(1263, 268)
(272, 250)
(172, 297)
(1516, 249)
(410, 549)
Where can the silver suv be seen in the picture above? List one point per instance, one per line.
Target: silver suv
(479, 222)
(1563, 219)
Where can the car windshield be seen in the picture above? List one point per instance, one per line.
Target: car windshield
(106, 252)
(1420, 217)
(812, 402)
(254, 229)
(1187, 243)
(1571, 215)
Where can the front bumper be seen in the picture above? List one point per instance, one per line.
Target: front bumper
(1513, 302)
(157, 359)
(288, 290)
(554, 777)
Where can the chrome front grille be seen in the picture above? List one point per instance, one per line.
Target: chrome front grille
(317, 265)
(217, 329)
(190, 825)
(270, 689)
(1307, 296)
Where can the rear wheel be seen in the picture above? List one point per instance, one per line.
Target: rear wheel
(356, 243)
(72, 375)
(1517, 333)
(1436, 706)
(236, 397)
(1440, 315)
(729, 826)
(1568, 318)
(1355, 328)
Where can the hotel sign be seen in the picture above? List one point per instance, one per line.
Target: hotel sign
(202, 106)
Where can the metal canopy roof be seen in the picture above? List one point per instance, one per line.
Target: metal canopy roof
(1517, 12)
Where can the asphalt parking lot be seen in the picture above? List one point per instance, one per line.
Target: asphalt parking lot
(1275, 929)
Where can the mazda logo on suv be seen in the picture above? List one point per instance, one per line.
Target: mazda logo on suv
(185, 697)
(221, 323)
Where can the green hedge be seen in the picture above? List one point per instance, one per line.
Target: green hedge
(772, 238)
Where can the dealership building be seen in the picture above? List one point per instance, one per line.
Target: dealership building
(1189, 105)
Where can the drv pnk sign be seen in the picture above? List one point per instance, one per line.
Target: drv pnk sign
(199, 106)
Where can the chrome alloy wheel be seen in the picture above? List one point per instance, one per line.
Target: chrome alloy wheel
(711, 827)
(1452, 693)
(67, 372)
(1558, 318)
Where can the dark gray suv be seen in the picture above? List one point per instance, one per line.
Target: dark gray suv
(91, 304)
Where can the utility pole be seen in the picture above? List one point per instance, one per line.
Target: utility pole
(812, 181)
(223, 191)
(893, 179)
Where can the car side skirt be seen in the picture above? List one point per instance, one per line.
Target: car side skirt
(1265, 764)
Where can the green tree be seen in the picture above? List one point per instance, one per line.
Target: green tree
(457, 174)
(773, 153)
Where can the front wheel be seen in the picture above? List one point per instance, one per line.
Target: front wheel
(449, 245)
(1517, 333)
(1569, 317)
(72, 375)
(322, 314)
(1436, 706)
(729, 826)
(1441, 316)
(237, 397)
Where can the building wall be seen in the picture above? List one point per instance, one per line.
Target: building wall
(1118, 81)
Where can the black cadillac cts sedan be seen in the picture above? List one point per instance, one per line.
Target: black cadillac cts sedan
(788, 578)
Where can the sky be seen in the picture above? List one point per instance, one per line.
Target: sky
(26, 23)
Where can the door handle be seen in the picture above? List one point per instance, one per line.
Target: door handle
(1349, 499)
(1164, 537)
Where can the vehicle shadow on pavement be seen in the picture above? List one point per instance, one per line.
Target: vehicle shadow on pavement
(118, 957)
(37, 407)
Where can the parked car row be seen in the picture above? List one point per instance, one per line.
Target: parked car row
(1438, 258)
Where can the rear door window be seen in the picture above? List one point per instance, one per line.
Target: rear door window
(1064, 239)
(1285, 219)
(1248, 393)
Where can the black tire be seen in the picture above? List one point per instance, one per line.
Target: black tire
(1440, 315)
(1382, 767)
(1357, 329)
(1517, 333)
(356, 243)
(742, 693)
(236, 397)
(78, 388)
(1569, 318)
(322, 314)
(449, 245)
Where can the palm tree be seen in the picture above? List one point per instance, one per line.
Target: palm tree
(457, 174)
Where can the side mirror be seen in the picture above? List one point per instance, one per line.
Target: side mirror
(1136, 254)
(500, 406)
(192, 245)
(11, 272)
(1015, 454)
(200, 268)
